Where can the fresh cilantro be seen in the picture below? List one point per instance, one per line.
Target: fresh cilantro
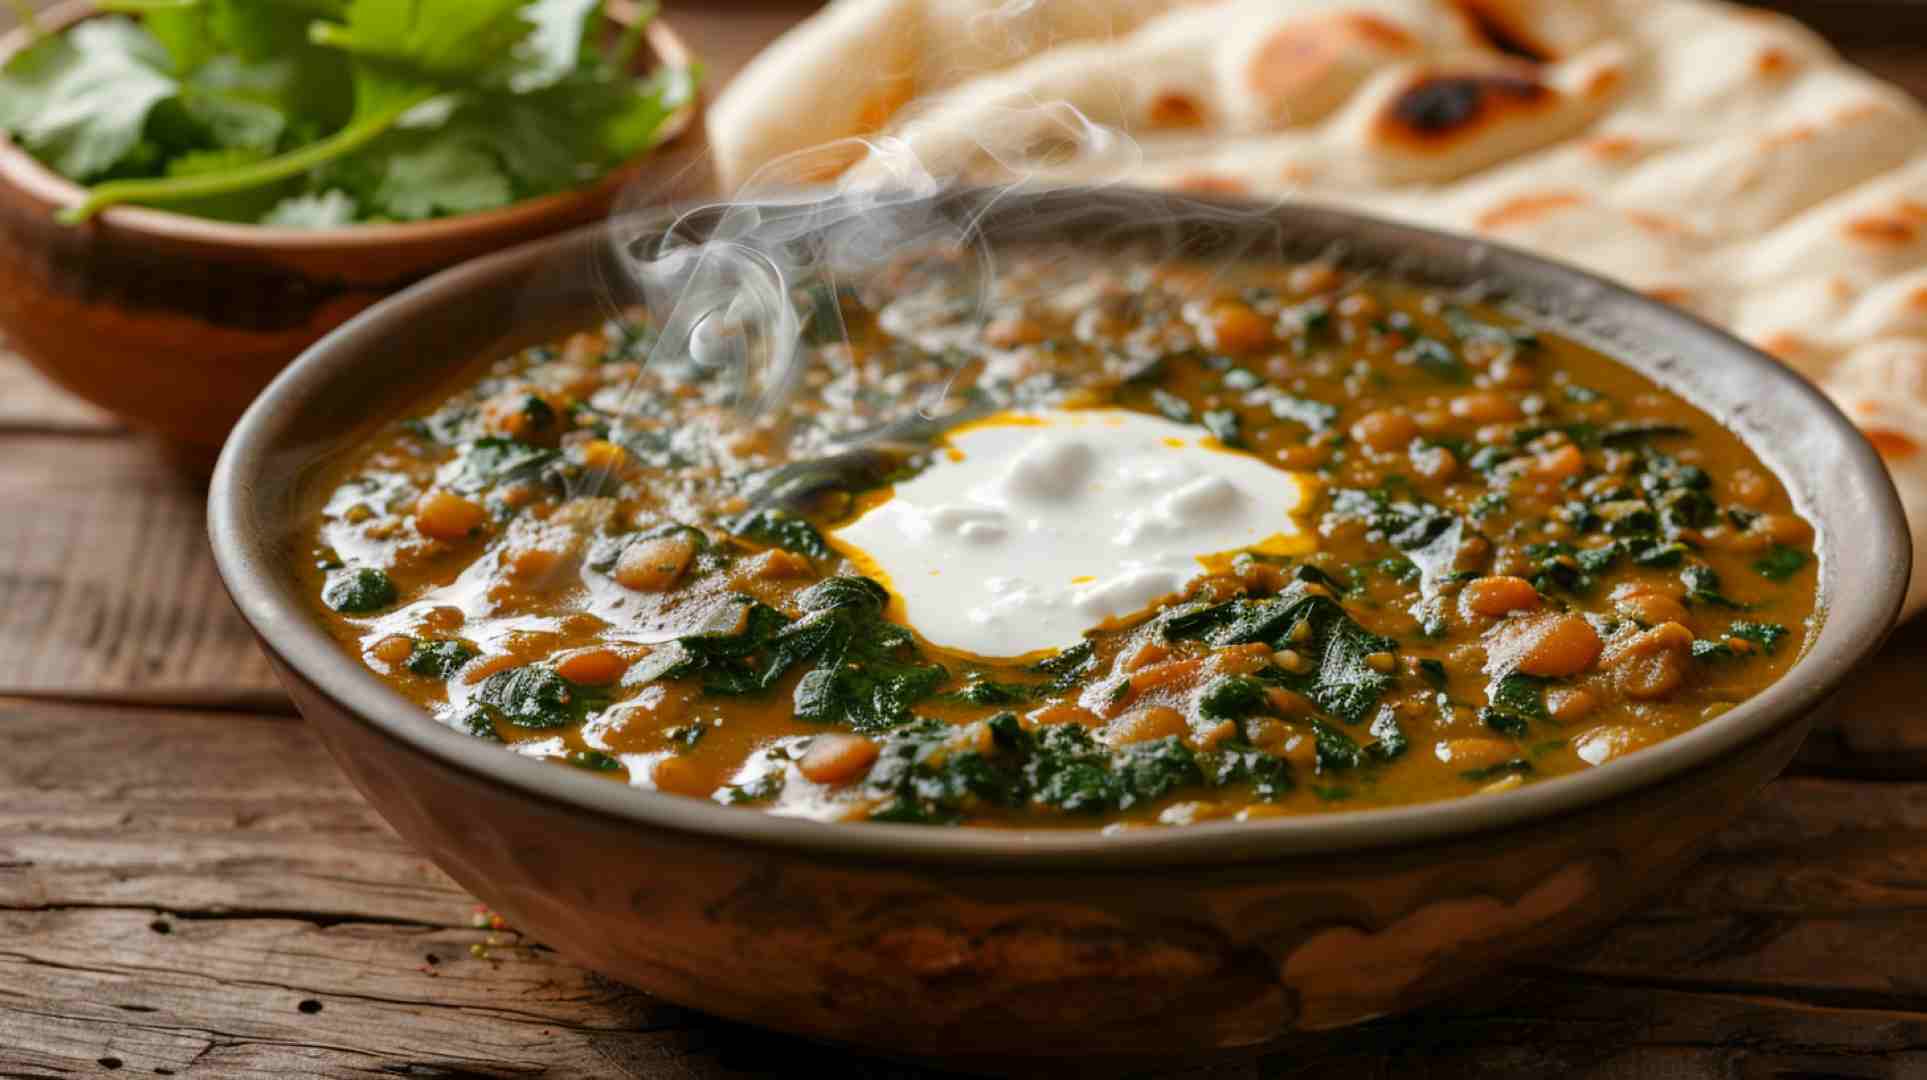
(319, 113)
(319, 210)
(80, 100)
(1780, 562)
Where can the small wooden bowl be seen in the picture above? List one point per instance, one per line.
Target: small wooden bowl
(175, 323)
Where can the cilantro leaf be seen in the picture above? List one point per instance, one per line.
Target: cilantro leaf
(423, 175)
(80, 100)
(322, 210)
(553, 46)
(457, 39)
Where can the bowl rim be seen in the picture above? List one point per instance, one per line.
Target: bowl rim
(1856, 618)
(21, 170)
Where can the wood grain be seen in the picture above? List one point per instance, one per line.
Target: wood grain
(107, 588)
(29, 404)
(175, 885)
(199, 893)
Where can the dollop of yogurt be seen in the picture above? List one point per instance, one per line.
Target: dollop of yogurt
(1031, 528)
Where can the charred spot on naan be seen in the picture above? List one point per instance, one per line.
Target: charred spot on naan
(1304, 70)
(1501, 27)
(1614, 148)
(1891, 445)
(1438, 110)
(1174, 109)
(1775, 62)
(1211, 184)
(1899, 226)
(1522, 209)
(1785, 346)
(1676, 295)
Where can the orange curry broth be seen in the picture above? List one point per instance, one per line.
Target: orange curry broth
(1530, 559)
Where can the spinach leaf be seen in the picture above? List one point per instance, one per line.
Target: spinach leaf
(1438, 358)
(868, 671)
(931, 772)
(1514, 767)
(592, 760)
(1703, 587)
(778, 529)
(1766, 635)
(439, 659)
(1344, 683)
(987, 692)
(1515, 701)
(1781, 562)
(1391, 737)
(1231, 697)
(358, 590)
(1335, 750)
(491, 461)
(535, 697)
(1067, 667)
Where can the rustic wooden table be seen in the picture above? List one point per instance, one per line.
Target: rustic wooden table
(188, 887)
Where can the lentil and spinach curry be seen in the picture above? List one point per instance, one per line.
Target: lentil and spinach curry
(1504, 557)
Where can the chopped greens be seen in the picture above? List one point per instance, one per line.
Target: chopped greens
(933, 773)
(1344, 683)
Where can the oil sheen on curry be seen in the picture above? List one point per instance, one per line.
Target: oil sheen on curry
(1106, 543)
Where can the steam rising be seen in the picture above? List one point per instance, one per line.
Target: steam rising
(739, 288)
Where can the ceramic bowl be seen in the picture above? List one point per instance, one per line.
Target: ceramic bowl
(992, 945)
(175, 323)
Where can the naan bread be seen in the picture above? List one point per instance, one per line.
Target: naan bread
(1718, 157)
